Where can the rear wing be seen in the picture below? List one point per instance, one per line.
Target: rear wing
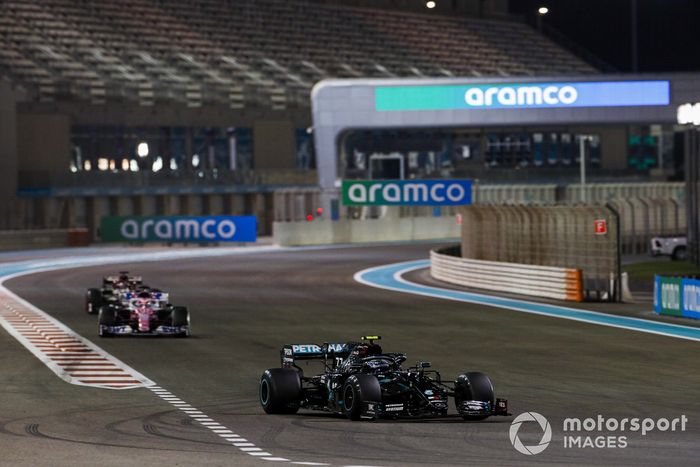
(293, 352)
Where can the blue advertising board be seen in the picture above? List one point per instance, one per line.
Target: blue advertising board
(676, 296)
(523, 95)
(690, 300)
(179, 229)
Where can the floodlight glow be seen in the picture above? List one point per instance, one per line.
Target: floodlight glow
(430, 4)
(173, 164)
(688, 114)
(195, 160)
(134, 166)
(103, 163)
(87, 165)
(125, 164)
(157, 164)
(543, 10)
(142, 149)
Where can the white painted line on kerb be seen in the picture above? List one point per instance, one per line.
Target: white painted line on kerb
(78, 361)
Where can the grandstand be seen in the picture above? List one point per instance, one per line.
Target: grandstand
(218, 90)
(266, 53)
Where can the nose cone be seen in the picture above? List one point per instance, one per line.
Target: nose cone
(144, 318)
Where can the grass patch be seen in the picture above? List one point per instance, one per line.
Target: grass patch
(646, 271)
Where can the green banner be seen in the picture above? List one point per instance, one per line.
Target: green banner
(446, 192)
(667, 296)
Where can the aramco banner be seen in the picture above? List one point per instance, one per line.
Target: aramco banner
(179, 229)
(523, 95)
(407, 192)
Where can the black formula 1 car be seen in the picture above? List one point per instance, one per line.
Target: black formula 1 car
(361, 382)
(144, 311)
(112, 289)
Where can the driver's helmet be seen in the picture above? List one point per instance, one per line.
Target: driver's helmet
(362, 350)
(368, 350)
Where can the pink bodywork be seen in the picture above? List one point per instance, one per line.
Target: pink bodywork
(143, 311)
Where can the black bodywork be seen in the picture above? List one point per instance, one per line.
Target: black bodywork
(360, 381)
(112, 288)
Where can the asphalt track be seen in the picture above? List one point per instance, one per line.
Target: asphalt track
(245, 307)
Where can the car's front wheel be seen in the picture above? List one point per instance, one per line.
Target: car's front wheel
(474, 386)
(357, 391)
(93, 300)
(180, 317)
(105, 319)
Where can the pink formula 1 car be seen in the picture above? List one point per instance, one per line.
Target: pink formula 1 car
(146, 312)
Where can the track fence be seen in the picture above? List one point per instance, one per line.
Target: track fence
(574, 237)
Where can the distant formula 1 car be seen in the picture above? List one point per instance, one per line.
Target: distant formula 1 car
(143, 312)
(112, 289)
(361, 382)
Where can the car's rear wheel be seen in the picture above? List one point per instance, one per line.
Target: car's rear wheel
(180, 317)
(680, 253)
(280, 391)
(357, 391)
(93, 300)
(106, 318)
(474, 386)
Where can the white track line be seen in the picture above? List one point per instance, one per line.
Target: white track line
(78, 361)
(242, 444)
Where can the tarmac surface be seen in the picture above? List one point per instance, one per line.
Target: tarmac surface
(245, 307)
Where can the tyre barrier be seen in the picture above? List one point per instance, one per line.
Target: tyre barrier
(524, 279)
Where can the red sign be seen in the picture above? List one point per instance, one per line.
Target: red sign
(600, 226)
(458, 219)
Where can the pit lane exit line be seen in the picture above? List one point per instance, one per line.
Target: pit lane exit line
(390, 277)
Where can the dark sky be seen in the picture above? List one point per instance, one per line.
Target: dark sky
(668, 30)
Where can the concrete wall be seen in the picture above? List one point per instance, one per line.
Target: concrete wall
(31, 239)
(43, 141)
(8, 154)
(365, 230)
(274, 144)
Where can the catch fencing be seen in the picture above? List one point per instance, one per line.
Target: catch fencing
(571, 237)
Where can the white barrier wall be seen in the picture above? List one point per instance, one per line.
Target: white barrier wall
(319, 232)
(524, 279)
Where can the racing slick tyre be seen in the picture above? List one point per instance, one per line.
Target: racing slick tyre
(93, 300)
(180, 316)
(106, 317)
(280, 391)
(357, 390)
(474, 386)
